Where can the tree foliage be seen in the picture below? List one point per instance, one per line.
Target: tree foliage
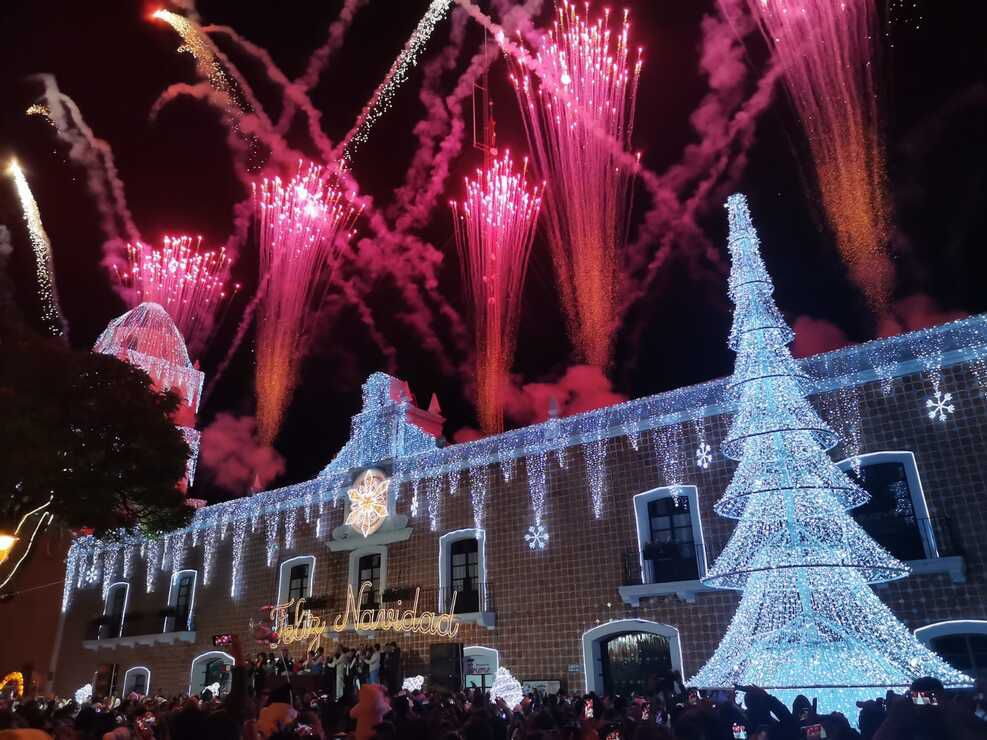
(91, 432)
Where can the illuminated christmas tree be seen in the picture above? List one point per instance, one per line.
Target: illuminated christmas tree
(808, 621)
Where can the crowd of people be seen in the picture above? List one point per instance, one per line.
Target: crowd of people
(337, 675)
(371, 712)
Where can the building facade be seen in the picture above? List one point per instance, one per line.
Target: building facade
(574, 548)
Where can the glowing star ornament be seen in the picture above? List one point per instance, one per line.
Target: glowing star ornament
(940, 406)
(537, 537)
(368, 502)
(704, 455)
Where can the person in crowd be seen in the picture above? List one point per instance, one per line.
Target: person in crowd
(373, 664)
(924, 712)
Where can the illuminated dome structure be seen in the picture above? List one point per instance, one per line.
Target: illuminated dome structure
(147, 338)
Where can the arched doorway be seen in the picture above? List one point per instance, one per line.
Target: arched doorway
(629, 655)
(211, 668)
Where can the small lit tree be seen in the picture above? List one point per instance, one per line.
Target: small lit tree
(808, 621)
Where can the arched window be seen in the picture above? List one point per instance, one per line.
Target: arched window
(137, 680)
(369, 565)
(462, 571)
(628, 655)
(961, 642)
(181, 599)
(209, 669)
(295, 577)
(896, 516)
(480, 666)
(670, 535)
(114, 610)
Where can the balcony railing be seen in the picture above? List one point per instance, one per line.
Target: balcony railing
(917, 538)
(136, 625)
(479, 598)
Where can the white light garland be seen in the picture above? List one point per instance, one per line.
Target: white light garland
(807, 621)
(595, 455)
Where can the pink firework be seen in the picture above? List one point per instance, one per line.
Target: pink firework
(827, 53)
(588, 191)
(185, 280)
(495, 226)
(304, 224)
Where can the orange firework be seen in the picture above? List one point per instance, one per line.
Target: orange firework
(304, 223)
(827, 53)
(495, 226)
(588, 191)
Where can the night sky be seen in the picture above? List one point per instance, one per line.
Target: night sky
(114, 63)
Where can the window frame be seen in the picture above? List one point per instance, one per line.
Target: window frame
(173, 597)
(445, 567)
(123, 614)
(353, 576)
(200, 656)
(284, 576)
(642, 523)
(915, 489)
(147, 677)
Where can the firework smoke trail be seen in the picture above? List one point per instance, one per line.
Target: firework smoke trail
(587, 200)
(320, 57)
(303, 224)
(51, 311)
(382, 97)
(95, 156)
(495, 226)
(827, 51)
(196, 43)
(183, 279)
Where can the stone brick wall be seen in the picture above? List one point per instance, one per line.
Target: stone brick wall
(545, 600)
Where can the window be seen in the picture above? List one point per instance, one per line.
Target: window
(369, 570)
(295, 577)
(480, 666)
(298, 581)
(369, 564)
(114, 611)
(670, 535)
(462, 571)
(208, 669)
(464, 562)
(181, 598)
(136, 680)
(896, 515)
(961, 643)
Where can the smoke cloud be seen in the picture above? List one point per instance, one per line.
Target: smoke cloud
(234, 457)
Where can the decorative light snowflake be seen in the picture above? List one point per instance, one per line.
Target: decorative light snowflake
(413, 683)
(368, 502)
(704, 455)
(84, 694)
(940, 405)
(537, 537)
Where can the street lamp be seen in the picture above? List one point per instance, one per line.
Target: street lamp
(7, 542)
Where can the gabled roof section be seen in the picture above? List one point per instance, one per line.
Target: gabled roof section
(389, 427)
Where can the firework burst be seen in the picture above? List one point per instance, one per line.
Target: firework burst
(185, 280)
(588, 191)
(303, 225)
(495, 226)
(827, 54)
